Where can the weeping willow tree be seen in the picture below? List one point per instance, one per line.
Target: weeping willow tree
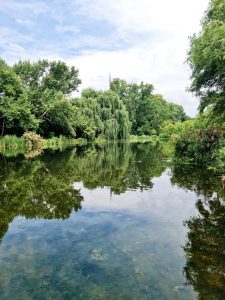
(102, 113)
(147, 111)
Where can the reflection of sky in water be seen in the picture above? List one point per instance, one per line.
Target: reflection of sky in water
(169, 203)
(124, 246)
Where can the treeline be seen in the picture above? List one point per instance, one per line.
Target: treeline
(201, 141)
(39, 97)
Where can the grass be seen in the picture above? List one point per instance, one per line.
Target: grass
(143, 138)
(63, 142)
(31, 144)
(11, 145)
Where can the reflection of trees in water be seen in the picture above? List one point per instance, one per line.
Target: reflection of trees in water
(120, 167)
(205, 246)
(43, 187)
(205, 250)
(201, 181)
(28, 189)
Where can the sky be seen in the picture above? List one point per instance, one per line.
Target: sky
(135, 40)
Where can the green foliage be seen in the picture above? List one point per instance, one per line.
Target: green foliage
(175, 130)
(207, 59)
(204, 141)
(33, 97)
(47, 85)
(43, 75)
(147, 111)
(101, 113)
(33, 140)
(36, 96)
(15, 109)
(153, 139)
(12, 145)
(32, 144)
(198, 142)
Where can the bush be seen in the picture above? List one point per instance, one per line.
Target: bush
(33, 140)
(201, 144)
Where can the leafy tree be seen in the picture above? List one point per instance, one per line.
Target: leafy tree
(147, 111)
(203, 143)
(176, 113)
(15, 110)
(132, 96)
(36, 96)
(207, 59)
(47, 84)
(55, 76)
(102, 113)
(59, 117)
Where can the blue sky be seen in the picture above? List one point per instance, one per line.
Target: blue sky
(136, 40)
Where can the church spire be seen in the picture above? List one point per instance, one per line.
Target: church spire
(110, 79)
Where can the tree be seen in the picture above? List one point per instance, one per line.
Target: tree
(133, 95)
(36, 96)
(59, 118)
(147, 111)
(15, 109)
(52, 75)
(47, 84)
(206, 58)
(102, 113)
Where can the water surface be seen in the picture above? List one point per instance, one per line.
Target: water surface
(116, 222)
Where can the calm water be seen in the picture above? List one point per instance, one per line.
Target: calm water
(117, 222)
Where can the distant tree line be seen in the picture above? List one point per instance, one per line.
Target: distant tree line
(38, 96)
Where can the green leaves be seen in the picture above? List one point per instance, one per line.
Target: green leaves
(55, 76)
(102, 113)
(146, 111)
(35, 96)
(32, 97)
(15, 109)
(207, 58)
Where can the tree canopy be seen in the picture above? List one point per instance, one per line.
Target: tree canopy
(38, 96)
(147, 111)
(207, 59)
(202, 141)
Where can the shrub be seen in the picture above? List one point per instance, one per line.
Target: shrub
(33, 140)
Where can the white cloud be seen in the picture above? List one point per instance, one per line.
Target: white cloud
(147, 40)
(33, 7)
(24, 22)
(159, 58)
(146, 15)
(157, 63)
(64, 29)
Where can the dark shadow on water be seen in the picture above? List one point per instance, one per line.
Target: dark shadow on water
(205, 245)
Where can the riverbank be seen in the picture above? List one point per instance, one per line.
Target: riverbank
(31, 144)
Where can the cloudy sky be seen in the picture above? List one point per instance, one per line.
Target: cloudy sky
(136, 40)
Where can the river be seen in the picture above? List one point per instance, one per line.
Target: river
(113, 222)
